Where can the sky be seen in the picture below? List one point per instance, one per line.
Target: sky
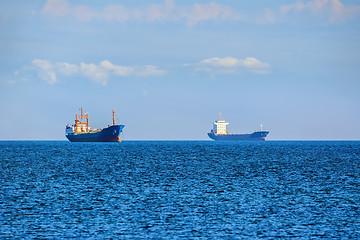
(169, 67)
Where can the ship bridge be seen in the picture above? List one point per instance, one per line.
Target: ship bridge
(219, 127)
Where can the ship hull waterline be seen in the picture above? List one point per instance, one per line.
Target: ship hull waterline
(255, 136)
(109, 134)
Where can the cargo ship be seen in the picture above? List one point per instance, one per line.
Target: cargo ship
(219, 133)
(81, 132)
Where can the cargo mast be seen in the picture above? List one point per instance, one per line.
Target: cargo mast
(113, 117)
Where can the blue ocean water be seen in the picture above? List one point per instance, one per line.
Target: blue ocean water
(180, 190)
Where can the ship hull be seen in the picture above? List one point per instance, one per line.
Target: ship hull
(255, 136)
(109, 134)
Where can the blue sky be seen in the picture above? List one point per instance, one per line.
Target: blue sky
(169, 67)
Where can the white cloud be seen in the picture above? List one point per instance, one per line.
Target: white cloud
(99, 73)
(45, 70)
(256, 66)
(230, 65)
(167, 10)
(160, 11)
(150, 70)
(334, 10)
(115, 12)
(67, 69)
(211, 11)
(94, 72)
(117, 70)
(57, 8)
(83, 13)
(227, 62)
(298, 6)
(42, 64)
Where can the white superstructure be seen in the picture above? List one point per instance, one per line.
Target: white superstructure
(219, 127)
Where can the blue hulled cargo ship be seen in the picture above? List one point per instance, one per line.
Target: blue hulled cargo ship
(81, 132)
(219, 133)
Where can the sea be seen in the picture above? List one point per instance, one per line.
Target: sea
(180, 190)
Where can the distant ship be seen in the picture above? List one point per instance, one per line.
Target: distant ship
(219, 133)
(81, 132)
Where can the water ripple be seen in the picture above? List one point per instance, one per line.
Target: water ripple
(170, 190)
